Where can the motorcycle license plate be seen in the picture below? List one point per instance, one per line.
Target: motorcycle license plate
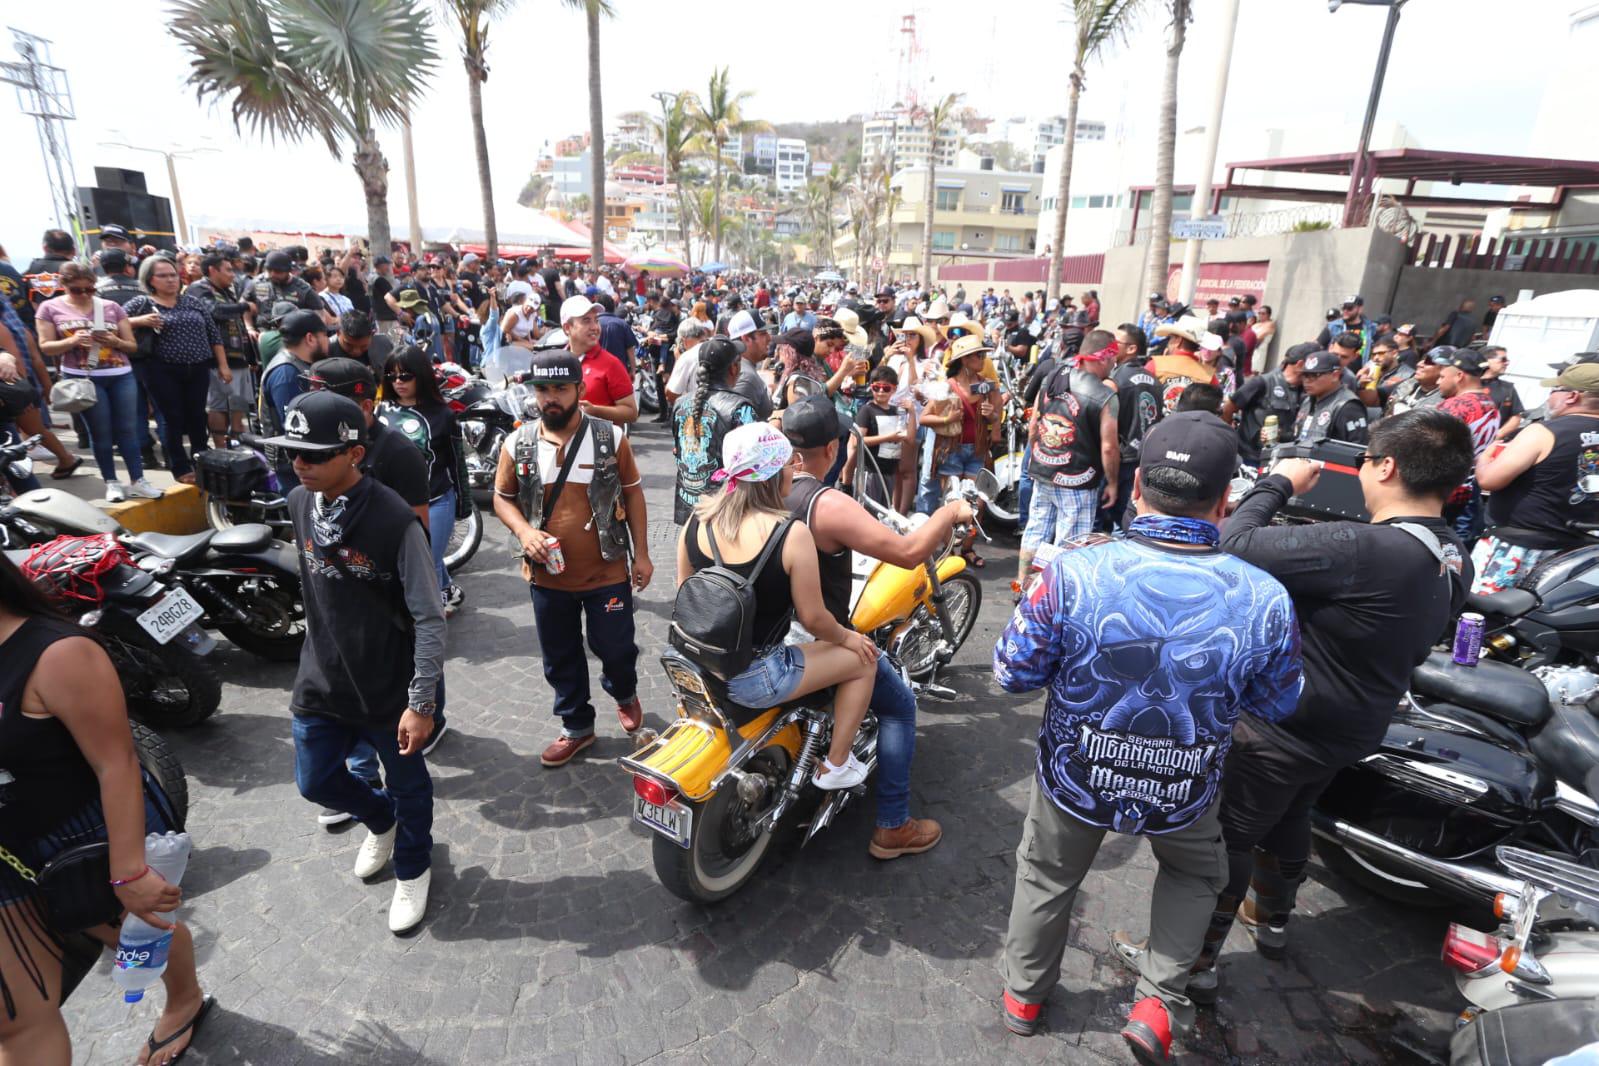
(672, 821)
(171, 615)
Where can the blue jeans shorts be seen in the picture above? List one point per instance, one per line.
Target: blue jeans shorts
(772, 678)
(962, 461)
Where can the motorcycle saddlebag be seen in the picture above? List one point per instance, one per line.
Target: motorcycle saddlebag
(229, 473)
(1527, 1034)
(1336, 494)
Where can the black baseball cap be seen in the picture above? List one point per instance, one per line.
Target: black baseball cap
(884, 294)
(812, 422)
(1356, 300)
(278, 259)
(1156, 298)
(1198, 443)
(1443, 355)
(382, 260)
(555, 366)
(114, 260)
(114, 231)
(345, 376)
(1320, 362)
(299, 325)
(1466, 361)
(321, 421)
(714, 349)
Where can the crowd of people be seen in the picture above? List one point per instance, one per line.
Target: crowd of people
(1206, 671)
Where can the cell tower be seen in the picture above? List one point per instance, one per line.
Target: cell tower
(908, 87)
(42, 92)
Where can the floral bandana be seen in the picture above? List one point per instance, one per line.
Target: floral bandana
(753, 452)
(1107, 352)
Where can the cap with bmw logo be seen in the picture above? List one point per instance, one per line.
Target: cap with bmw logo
(321, 422)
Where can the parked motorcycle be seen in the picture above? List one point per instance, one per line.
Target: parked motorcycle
(1551, 616)
(486, 424)
(149, 625)
(246, 582)
(1010, 449)
(16, 464)
(1476, 758)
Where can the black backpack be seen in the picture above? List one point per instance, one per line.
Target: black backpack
(713, 618)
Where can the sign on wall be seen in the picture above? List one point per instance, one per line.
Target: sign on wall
(1221, 281)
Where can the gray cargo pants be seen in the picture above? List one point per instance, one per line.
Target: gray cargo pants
(1056, 852)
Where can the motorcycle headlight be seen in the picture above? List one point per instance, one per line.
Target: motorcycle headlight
(472, 430)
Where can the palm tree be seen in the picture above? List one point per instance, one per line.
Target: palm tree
(720, 117)
(936, 119)
(471, 19)
(592, 10)
(1099, 23)
(673, 132)
(333, 69)
(1158, 263)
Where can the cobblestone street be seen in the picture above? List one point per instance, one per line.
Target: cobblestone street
(549, 940)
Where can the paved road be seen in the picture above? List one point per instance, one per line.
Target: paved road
(549, 939)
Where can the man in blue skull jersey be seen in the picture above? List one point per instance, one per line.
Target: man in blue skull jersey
(1149, 648)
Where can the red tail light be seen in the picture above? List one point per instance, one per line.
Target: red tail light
(1467, 950)
(652, 791)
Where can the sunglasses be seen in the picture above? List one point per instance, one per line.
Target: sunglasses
(1366, 457)
(80, 290)
(399, 376)
(882, 388)
(312, 458)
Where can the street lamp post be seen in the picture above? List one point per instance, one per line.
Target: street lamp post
(169, 154)
(1199, 207)
(1357, 171)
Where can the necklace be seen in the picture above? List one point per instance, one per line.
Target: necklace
(1175, 530)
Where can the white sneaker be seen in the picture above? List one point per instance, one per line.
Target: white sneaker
(410, 903)
(852, 773)
(115, 492)
(375, 852)
(144, 490)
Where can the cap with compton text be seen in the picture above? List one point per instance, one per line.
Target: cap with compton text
(812, 422)
(1583, 377)
(554, 367)
(321, 422)
(1197, 443)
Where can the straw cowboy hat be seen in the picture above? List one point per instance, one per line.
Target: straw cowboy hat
(964, 346)
(928, 334)
(939, 309)
(850, 323)
(1193, 329)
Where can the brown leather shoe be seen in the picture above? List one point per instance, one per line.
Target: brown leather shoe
(631, 714)
(564, 749)
(914, 837)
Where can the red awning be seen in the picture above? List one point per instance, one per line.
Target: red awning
(1454, 168)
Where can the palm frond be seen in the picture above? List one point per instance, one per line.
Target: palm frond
(1101, 23)
(374, 54)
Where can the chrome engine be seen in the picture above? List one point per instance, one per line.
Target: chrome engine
(1568, 686)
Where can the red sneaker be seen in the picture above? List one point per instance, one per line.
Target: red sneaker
(1023, 1019)
(631, 714)
(1148, 1032)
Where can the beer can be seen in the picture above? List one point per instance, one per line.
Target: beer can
(1468, 639)
(555, 558)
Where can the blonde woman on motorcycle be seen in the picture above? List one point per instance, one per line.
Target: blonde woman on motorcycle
(746, 512)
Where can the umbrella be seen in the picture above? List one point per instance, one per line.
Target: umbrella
(655, 263)
(713, 268)
(829, 275)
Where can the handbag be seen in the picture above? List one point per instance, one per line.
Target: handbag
(74, 887)
(72, 394)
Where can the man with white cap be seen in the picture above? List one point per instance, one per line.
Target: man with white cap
(607, 386)
(746, 328)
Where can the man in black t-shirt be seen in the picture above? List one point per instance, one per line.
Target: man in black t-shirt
(1138, 408)
(384, 294)
(1371, 597)
(1503, 392)
(358, 340)
(1275, 392)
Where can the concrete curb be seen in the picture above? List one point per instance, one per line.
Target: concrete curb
(180, 510)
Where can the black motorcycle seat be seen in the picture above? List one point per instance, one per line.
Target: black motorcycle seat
(183, 549)
(1569, 745)
(1496, 689)
(1508, 603)
(249, 537)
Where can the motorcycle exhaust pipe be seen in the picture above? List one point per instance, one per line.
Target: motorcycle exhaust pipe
(1481, 881)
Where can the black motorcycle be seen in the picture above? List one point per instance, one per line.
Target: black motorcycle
(1551, 616)
(1475, 757)
(485, 424)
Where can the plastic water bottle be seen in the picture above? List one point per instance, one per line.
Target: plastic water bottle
(141, 947)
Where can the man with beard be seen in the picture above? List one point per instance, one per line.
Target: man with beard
(1421, 389)
(1330, 410)
(1151, 649)
(569, 491)
(1352, 319)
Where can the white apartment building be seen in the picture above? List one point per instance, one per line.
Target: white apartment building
(905, 141)
(793, 168)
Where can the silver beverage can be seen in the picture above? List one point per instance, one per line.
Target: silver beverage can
(1468, 639)
(555, 559)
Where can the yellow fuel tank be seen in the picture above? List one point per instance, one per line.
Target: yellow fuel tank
(892, 592)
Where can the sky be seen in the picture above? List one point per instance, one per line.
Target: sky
(1464, 77)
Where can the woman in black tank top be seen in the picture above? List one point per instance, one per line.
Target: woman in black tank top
(743, 514)
(69, 776)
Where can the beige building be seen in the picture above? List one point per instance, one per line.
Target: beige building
(977, 215)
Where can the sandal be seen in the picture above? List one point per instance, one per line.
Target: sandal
(193, 1027)
(974, 560)
(61, 473)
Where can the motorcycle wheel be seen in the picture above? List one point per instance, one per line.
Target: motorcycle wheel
(161, 763)
(649, 400)
(724, 850)
(276, 628)
(1005, 510)
(165, 685)
(963, 596)
(1370, 875)
(464, 540)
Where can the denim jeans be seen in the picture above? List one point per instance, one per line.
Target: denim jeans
(1024, 488)
(114, 421)
(441, 522)
(561, 616)
(141, 372)
(363, 760)
(927, 490)
(180, 391)
(895, 706)
(320, 748)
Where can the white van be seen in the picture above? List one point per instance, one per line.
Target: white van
(1544, 332)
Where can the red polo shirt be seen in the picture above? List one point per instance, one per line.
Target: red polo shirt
(605, 379)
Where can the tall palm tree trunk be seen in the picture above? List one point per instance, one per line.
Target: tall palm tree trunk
(682, 222)
(1064, 189)
(373, 171)
(480, 143)
(1158, 263)
(927, 224)
(716, 209)
(596, 140)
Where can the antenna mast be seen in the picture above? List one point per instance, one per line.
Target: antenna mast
(42, 92)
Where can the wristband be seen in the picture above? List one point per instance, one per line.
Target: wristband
(130, 880)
